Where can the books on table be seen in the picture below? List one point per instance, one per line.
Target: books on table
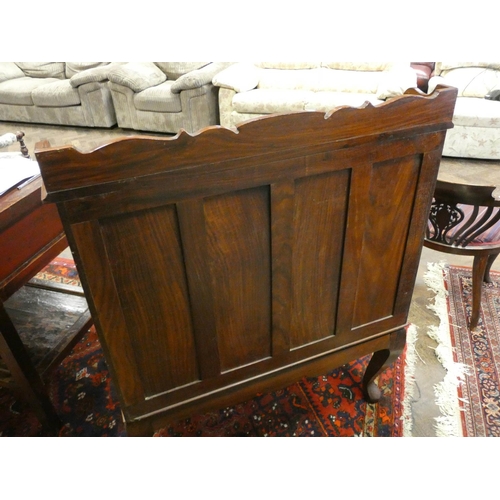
(16, 171)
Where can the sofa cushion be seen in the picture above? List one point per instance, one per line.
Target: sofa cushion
(265, 101)
(240, 77)
(72, 68)
(288, 65)
(159, 98)
(444, 66)
(19, 91)
(358, 66)
(396, 82)
(57, 94)
(288, 79)
(326, 101)
(137, 76)
(476, 112)
(9, 71)
(320, 79)
(472, 82)
(174, 70)
(43, 69)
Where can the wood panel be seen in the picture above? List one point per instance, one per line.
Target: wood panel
(388, 210)
(238, 238)
(144, 253)
(21, 242)
(227, 262)
(319, 227)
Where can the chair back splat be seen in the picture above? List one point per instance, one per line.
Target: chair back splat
(232, 262)
(465, 220)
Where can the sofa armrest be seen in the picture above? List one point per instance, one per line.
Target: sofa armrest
(137, 76)
(434, 82)
(91, 75)
(198, 77)
(9, 71)
(239, 77)
(395, 82)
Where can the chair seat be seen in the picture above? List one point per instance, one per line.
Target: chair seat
(56, 94)
(159, 98)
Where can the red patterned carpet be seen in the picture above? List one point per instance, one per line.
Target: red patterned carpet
(330, 405)
(470, 393)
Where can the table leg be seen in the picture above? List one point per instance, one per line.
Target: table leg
(25, 375)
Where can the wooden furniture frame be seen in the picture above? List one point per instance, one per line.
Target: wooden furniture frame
(31, 236)
(460, 219)
(232, 262)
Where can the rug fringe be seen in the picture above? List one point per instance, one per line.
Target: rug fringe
(446, 392)
(410, 364)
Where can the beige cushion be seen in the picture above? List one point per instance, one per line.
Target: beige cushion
(137, 76)
(19, 91)
(57, 94)
(320, 79)
(240, 77)
(198, 77)
(349, 66)
(159, 98)
(287, 65)
(265, 101)
(9, 71)
(473, 81)
(93, 75)
(72, 68)
(326, 101)
(444, 66)
(174, 70)
(396, 82)
(358, 66)
(43, 69)
(477, 112)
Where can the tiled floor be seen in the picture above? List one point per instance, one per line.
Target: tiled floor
(428, 370)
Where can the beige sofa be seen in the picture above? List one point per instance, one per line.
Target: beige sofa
(59, 93)
(165, 96)
(476, 133)
(249, 90)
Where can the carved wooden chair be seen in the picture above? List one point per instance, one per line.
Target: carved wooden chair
(465, 220)
(234, 262)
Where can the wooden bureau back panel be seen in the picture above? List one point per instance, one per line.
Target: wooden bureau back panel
(213, 260)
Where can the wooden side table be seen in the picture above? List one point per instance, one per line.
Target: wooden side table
(31, 236)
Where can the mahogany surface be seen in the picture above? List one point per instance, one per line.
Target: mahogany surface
(31, 236)
(232, 262)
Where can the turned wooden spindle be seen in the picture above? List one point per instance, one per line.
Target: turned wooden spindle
(24, 149)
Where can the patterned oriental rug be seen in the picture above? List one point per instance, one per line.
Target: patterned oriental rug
(330, 405)
(469, 396)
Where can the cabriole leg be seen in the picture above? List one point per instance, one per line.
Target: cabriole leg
(381, 360)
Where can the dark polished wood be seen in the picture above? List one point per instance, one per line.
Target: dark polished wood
(460, 217)
(31, 236)
(20, 139)
(233, 262)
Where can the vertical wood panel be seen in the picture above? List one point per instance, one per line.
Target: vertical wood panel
(429, 166)
(282, 198)
(319, 225)
(145, 256)
(194, 244)
(106, 311)
(238, 229)
(387, 215)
